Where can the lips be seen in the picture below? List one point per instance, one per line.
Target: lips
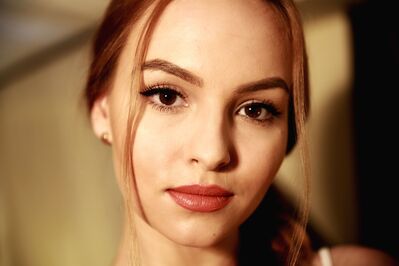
(201, 198)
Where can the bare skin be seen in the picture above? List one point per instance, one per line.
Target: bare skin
(205, 130)
(351, 255)
(208, 133)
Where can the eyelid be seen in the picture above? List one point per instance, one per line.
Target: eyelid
(269, 105)
(151, 91)
(250, 101)
(165, 86)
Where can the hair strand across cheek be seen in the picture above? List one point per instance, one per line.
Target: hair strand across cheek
(289, 240)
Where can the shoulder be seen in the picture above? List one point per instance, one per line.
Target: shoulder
(351, 255)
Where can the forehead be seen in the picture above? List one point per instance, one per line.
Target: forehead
(244, 40)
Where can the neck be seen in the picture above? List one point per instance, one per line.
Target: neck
(156, 249)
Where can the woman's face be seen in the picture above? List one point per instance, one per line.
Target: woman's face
(214, 129)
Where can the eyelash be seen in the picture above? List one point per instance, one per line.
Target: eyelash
(153, 90)
(269, 106)
(162, 88)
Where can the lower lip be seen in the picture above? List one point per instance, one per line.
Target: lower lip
(199, 203)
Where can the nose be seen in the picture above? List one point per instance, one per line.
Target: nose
(211, 145)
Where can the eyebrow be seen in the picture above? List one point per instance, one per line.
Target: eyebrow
(263, 84)
(168, 67)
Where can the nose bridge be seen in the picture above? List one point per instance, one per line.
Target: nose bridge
(211, 140)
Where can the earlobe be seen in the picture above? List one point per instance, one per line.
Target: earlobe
(100, 120)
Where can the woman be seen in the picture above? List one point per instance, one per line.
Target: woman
(200, 101)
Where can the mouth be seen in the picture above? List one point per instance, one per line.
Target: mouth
(201, 198)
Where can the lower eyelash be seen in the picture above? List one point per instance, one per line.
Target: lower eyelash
(157, 89)
(269, 106)
(162, 108)
(152, 90)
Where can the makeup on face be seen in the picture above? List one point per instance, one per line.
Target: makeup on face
(208, 114)
(201, 198)
(167, 96)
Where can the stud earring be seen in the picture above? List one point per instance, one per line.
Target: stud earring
(105, 138)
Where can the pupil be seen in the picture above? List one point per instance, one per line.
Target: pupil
(167, 98)
(253, 111)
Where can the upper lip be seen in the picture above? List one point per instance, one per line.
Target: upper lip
(203, 190)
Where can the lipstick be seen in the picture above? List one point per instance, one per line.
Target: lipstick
(201, 198)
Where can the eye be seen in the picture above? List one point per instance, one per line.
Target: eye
(258, 111)
(164, 97)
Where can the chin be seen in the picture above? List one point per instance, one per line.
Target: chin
(198, 238)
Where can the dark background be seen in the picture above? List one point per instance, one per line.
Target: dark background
(376, 54)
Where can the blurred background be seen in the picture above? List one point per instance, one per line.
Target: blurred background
(59, 202)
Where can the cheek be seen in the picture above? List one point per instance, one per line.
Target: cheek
(156, 148)
(260, 161)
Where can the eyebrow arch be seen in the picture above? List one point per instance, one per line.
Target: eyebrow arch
(263, 84)
(168, 67)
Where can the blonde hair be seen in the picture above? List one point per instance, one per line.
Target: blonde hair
(120, 18)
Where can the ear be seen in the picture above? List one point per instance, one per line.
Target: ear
(100, 119)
